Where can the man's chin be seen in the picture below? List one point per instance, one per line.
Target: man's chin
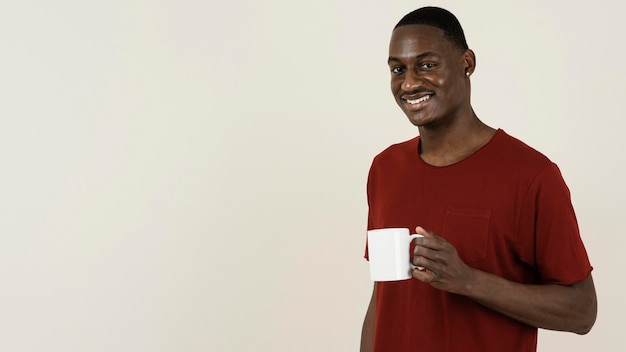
(418, 121)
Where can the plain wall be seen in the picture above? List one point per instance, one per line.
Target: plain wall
(190, 175)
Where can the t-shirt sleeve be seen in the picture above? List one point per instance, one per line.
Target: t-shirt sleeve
(369, 189)
(549, 237)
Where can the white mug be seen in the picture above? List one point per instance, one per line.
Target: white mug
(388, 254)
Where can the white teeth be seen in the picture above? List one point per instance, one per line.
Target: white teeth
(417, 101)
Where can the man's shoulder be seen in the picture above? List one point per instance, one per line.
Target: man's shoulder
(400, 151)
(408, 146)
(514, 149)
(513, 160)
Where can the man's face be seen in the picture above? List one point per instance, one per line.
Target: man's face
(428, 77)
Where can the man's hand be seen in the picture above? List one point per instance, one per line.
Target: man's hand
(443, 268)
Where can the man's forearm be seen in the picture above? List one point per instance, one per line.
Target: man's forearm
(570, 308)
(369, 323)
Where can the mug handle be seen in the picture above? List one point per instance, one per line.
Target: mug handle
(411, 238)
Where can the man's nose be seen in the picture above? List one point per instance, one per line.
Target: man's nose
(412, 80)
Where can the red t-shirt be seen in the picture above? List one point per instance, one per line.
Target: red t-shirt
(507, 211)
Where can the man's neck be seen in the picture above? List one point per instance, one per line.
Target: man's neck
(446, 146)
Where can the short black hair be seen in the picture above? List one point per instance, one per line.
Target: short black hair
(438, 18)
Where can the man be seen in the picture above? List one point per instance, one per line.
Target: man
(501, 251)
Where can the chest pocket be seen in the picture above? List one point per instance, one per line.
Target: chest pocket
(468, 231)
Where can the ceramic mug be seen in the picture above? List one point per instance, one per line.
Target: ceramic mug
(388, 253)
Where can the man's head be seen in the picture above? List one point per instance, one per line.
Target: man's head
(438, 18)
(430, 66)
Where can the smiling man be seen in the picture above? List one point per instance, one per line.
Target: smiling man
(501, 252)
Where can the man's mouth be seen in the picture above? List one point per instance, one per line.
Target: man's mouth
(418, 100)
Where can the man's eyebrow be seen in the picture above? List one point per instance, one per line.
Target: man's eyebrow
(418, 57)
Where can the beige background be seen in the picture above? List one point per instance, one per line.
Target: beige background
(190, 175)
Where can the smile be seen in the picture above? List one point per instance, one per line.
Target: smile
(419, 100)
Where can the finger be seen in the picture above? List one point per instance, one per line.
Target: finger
(426, 233)
(425, 275)
(426, 236)
(423, 244)
(422, 231)
(419, 274)
(433, 275)
(423, 254)
(423, 261)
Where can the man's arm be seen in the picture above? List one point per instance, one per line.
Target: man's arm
(570, 308)
(367, 334)
(555, 307)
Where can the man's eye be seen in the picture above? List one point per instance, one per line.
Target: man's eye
(428, 65)
(397, 70)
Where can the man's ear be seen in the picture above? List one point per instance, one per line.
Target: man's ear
(469, 62)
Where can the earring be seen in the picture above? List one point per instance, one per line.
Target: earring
(467, 73)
